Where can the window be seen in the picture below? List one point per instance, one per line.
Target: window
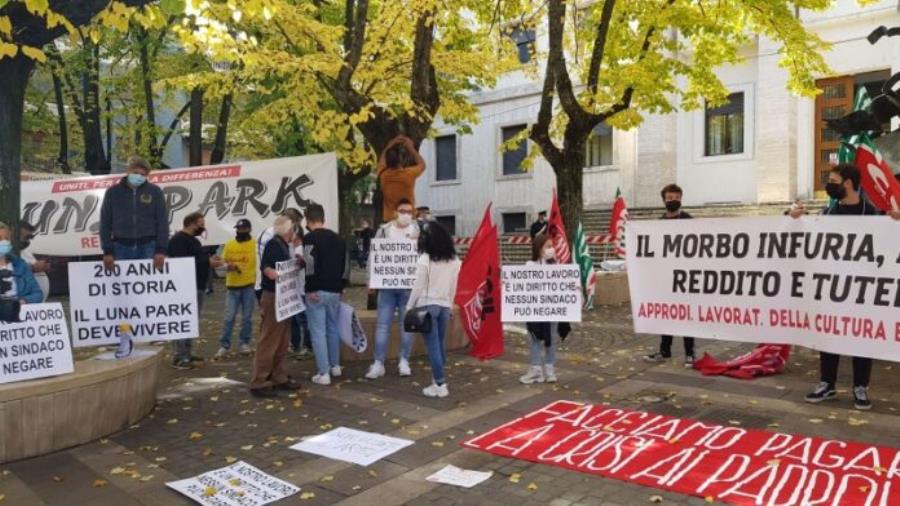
(445, 155)
(514, 222)
(725, 127)
(598, 151)
(524, 39)
(449, 222)
(513, 158)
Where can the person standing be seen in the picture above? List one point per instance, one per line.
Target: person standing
(39, 268)
(393, 300)
(239, 255)
(437, 270)
(325, 255)
(134, 222)
(398, 182)
(423, 215)
(542, 335)
(364, 235)
(269, 375)
(671, 195)
(184, 244)
(539, 226)
(17, 283)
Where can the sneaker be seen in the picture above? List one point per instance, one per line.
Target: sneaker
(376, 370)
(403, 367)
(222, 353)
(655, 358)
(336, 371)
(689, 361)
(435, 390)
(534, 375)
(304, 352)
(861, 398)
(244, 349)
(822, 392)
(183, 364)
(321, 379)
(549, 374)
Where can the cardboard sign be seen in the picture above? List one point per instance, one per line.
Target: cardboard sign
(289, 288)
(392, 264)
(37, 346)
(351, 445)
(239, 484)
(159, 304)
(541, 293)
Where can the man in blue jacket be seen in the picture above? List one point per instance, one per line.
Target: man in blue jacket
(17, 283)
(134, 222)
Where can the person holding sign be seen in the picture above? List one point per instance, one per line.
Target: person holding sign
(435, 287)
(269, 374)
(543, 335)
(239, 255)
(17, 283)
(393, 300)
(398, 182)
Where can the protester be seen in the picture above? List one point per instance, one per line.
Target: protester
(184, 244)
(393, 300)
(38, 267)
(423, 215)
(239, 255)
(364, 235)
(671, 196)
(326, 264)
(539, 226)
(398, 182)
(269, 375)
(134, 223)
(843, 188)
(17, 283)
(436, 275)
(542, 335)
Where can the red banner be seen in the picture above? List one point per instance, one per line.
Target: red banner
(764, 360)
(556, 229)
(877, 179)
(715, 462)
(478, 292)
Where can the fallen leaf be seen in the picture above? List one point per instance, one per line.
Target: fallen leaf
(734, 422)
(209, 492)
(656, 499)
(856, 422)
(532, 487)
(160, 459)
(247, 448)
(305, 496)
(863, 488)
(815, 420)
(230, 460)
(710, 498)
(773, 462)
(278, 463)
(173, 420)
(99, 483)
(207, 452)
(234, 482)
(327, 478)
(116, 470)
(298, 402)
(195, 436)
(147, 478)
(58, 479)
(439, 444)
(515, 477)
(2, 497)
(372, 473)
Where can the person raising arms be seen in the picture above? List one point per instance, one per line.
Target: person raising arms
(398, 181)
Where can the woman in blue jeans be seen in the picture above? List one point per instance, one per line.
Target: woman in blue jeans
(434, 289)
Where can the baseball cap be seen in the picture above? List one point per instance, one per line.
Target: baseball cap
(243, 223)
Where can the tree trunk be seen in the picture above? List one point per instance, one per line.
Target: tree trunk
(218, 150)
(195, 140)
(570, 191)
(94, 155)
(15, 72)
(62, 159)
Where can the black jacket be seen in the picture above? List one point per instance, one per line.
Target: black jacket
(134, 214)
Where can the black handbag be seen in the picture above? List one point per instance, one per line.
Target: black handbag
(418, 319)
(9, 310)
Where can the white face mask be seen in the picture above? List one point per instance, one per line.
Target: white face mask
(404, 219)
(549, 254)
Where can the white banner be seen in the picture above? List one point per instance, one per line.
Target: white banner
(66, 212)
(392, 264)
(541, 293)
(289, 289)
(159, 304)
(36, 347)
(828, 282)
(239, 484)
(351, 445)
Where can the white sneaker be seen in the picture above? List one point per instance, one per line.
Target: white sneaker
(403, 367)
(435, 390)
(549, 374)
(534, 375)
(336, 371)
(321, 379)
(222, 353)
(244, 349)
(376, 370)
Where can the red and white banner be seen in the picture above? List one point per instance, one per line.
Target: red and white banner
(719, 463)
(66, 212)
(877, 179)
(556, 229)
(478, 292)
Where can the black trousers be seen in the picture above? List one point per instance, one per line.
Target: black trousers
(862, 369)
(665, 346)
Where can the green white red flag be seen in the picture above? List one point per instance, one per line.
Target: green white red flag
(586, 264)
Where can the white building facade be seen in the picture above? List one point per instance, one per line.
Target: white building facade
(765, 145)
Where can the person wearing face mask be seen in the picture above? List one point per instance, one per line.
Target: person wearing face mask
(184, 244)
(134, 222)
(17, 284)
(239, 255)
(671, 196)
(393, 301)
(542, 335)
(38, 267)
(423, 215)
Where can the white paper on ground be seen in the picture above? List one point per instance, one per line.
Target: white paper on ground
(452, 475)
(351, 445)
(239, 484)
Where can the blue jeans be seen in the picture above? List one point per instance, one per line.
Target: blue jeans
(549, 353)
(434, 341)
(300, 332)
(390, 302)
(141, 251)
(243, 299)
(322, 316)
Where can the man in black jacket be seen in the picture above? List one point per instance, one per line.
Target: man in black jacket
(134, 222)
(539, 226)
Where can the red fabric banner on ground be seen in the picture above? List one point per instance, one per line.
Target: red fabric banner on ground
(764, 360)
(556, 229)
(716, 462)
(478, 292)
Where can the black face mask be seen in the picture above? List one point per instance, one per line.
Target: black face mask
(835, 190)
(24, 244)
(199, 231)
(242, 236)
(673, 205)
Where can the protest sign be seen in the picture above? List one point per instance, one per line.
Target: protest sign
(37, 346)
(289, 290)
(828, 282)
(66, 211)
(392, 264)
(158, 304)
(452, 475)
(541, 293)
(239, 484)
(350, 445)
(715, 462)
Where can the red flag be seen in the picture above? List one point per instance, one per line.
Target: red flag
(557, 232)
(617, 224)
(764, 360)
(877, 179)
(478, 292)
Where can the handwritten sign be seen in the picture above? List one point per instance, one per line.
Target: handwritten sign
(37, 346)
(289, 290)
(239, 484)
(350, 445)
(541, 293)
(392, 264)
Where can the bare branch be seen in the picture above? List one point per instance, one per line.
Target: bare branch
(600, 45)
